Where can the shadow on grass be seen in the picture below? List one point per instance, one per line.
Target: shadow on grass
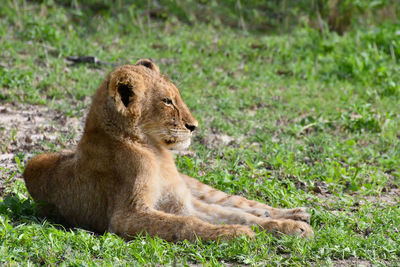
(24, 210)
(19, 210)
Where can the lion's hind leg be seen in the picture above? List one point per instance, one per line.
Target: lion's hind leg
(211, 195)
(40, 175)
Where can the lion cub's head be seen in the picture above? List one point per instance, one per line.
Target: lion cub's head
(140, 101)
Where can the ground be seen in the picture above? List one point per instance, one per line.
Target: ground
(297, 119)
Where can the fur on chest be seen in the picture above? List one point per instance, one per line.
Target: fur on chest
(171, 193)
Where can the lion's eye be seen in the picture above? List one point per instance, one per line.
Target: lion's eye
(167, 101)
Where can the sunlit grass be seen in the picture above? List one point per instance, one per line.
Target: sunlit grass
(313, 119)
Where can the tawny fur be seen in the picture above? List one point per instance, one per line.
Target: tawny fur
(123, 179)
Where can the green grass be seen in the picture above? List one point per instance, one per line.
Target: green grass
(309, 112)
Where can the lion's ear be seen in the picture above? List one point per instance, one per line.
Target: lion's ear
(125, 86)
(148, 64)
(125, 92)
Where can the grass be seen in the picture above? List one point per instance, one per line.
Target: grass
(314, 117)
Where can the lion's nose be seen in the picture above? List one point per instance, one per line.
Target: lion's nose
(190, 127)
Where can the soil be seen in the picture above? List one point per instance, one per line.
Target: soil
(353, 262)
(26, 130)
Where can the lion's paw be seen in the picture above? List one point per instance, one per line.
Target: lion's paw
(299, 228)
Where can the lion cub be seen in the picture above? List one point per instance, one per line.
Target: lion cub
(123, 179)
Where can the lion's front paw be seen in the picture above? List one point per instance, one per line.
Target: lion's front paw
(292, 227)
(297, 214)
(289, 227)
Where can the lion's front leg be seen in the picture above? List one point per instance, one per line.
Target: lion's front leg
(171, 227)
(157, 206)
(211, 195)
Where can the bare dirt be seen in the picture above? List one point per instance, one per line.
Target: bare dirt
(354, 262)
(29, 129)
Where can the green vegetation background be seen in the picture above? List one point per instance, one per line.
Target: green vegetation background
(308, 90)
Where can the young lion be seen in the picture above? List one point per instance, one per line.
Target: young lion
(123, 179)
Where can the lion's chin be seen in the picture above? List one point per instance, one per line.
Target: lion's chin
(178, 145)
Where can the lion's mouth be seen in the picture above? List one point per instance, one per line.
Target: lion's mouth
(170, 141)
